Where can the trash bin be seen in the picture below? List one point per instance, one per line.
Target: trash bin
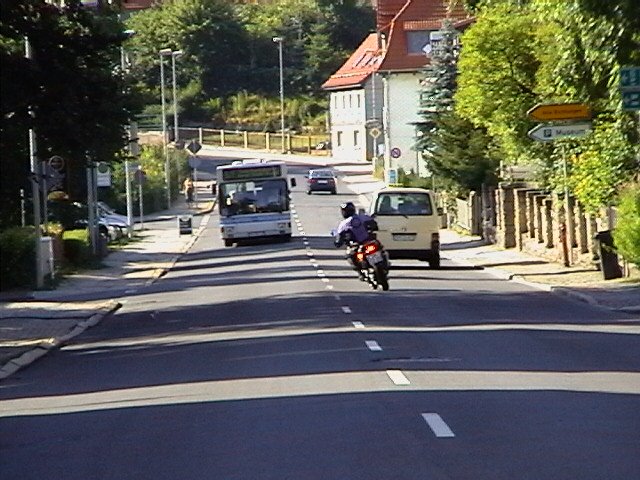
(608, 257)
(185, 223)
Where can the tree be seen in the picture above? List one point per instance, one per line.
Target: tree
(497, 76)
(209, 34)
(461, 155)
(438, 85)
(518, 54)
(65, 84)
(627, 232)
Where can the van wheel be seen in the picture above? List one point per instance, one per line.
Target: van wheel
(228, 243)
(434, 262)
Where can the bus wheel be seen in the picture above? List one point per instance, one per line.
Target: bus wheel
(228, 243)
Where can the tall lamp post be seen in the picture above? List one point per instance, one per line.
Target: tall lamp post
(176, 130)
(163, 53)
(279, 41)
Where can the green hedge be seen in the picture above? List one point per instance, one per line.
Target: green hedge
(626, 235)
(17, 258)
(77, 248)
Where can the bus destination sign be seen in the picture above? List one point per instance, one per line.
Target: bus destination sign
(252, 173)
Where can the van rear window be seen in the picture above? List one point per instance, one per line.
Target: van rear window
(403, 204)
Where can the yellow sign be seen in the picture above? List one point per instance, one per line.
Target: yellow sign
(560, 111)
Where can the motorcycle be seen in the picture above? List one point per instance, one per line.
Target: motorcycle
(370, 260)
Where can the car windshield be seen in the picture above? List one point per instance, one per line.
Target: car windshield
(403, 204)
(321, 174)
(260, 196)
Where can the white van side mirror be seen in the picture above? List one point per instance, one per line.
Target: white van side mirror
(440, 211)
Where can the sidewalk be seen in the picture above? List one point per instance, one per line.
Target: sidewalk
(580, 282)
(32, 323)
(37, 322)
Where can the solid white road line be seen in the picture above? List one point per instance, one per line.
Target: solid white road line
(346, 310)
(438, 425)
(373, 346)
(358, 324)
(398, 377)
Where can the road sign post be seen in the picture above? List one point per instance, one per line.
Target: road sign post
(551, 132)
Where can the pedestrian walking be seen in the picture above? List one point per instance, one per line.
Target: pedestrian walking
(187, 189)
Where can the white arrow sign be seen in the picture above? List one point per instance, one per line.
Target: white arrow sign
(548, 133)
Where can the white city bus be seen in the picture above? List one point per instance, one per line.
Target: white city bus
(253, 200)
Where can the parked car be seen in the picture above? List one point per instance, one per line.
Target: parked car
(322, 181)
(72, 215)
(112, 218)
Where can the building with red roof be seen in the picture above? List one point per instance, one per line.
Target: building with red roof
(374, 95)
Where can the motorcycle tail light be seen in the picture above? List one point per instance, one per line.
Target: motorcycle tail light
(360, 256)
(370, 248)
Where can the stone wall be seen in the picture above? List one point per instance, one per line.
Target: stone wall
(532, 220)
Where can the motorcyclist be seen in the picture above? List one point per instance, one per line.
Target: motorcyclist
(356, 227)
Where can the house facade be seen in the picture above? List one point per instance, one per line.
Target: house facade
(389, 83)
(356, 103)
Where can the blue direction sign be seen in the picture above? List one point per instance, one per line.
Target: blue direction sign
(630, 77)
(631, 100)
(548, 133)
(630, 88)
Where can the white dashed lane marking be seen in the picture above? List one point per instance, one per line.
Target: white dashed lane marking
(398, 377)
(373, 346)
(358, 324)
(438, 425)
(346, 310)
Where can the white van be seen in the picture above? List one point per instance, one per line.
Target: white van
(409, 223)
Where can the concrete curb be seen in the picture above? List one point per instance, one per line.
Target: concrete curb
(556, 290)
(34, 354)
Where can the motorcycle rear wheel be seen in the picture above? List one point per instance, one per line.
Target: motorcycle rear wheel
(381, 277)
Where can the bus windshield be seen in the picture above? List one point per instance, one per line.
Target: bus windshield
(254, 196)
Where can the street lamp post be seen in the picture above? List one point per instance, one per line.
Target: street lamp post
(164, 52)
(176, 130)
(279, 41)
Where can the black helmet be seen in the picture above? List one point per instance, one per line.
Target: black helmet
(348, 209)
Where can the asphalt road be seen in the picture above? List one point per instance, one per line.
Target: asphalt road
(272, 361)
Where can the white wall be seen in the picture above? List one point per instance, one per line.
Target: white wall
(348, 132)
(404, 96)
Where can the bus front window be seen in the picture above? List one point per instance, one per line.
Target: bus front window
(243, 198)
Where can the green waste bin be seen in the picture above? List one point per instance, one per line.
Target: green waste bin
(608, 257)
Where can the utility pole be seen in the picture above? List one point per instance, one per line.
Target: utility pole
(35, 187)
(176, 130)
(279, 41)
(134, 151)
(91, 205)
(167, 177)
